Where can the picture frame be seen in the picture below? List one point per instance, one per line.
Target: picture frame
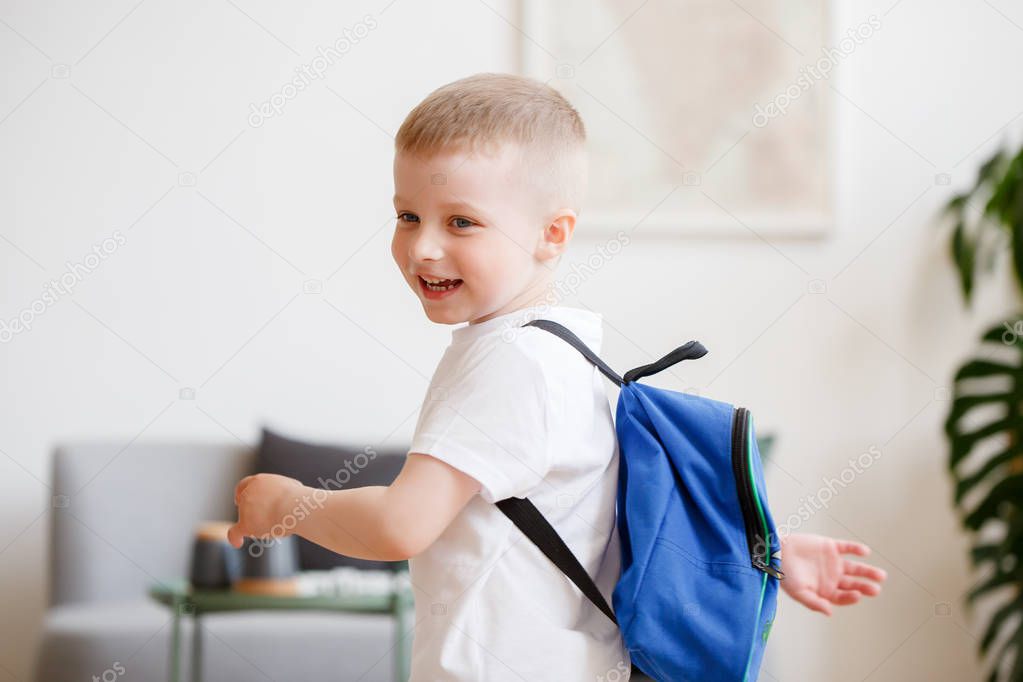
(677, 100)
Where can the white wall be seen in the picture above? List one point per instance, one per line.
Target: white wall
(207, 289)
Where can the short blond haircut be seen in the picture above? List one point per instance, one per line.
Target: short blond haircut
(480, 112)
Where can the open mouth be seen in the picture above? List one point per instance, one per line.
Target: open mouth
(439, 289)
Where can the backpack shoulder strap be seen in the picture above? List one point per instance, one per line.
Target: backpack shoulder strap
(537, 528)
(687, 351)
(569, 336)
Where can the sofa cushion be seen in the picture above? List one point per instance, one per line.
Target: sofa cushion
(130, 640)
(99, 548)
(329, 467)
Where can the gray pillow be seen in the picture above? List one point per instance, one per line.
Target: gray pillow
(329, 467)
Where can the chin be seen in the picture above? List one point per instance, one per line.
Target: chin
(442, 316)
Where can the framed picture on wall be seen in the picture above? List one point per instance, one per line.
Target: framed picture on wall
(703, 117)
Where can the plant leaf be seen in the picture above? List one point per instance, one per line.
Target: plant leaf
(999, 579)
(996, 463)
(1007, 491)
(964, 257)
(995, 624)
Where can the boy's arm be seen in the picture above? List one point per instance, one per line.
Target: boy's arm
(383, 523)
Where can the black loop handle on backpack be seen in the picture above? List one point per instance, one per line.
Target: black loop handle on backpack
(687, 351)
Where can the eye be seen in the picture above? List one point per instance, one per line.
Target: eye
(464, 220)
(407, 217)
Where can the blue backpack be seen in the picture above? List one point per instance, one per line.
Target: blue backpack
(699, 581)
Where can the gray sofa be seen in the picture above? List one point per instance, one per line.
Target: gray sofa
(123, 517)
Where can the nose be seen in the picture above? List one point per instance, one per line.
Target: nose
(425, 245)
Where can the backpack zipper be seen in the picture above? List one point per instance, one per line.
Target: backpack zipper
(748, 500)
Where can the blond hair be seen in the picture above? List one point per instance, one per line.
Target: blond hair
(482, 111)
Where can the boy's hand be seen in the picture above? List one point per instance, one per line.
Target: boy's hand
(817, 576)
(262, 501)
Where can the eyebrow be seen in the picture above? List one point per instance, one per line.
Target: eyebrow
(447, 204)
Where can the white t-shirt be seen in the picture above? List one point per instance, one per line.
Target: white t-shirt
(524, 413)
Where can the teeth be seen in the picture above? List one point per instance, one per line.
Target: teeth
(434, 284)
(434, 287)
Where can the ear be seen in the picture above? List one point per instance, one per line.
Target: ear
(556, 234)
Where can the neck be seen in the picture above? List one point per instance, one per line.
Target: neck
(539, 292)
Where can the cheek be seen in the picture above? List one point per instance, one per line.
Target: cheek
(397, 249)
(497, 264)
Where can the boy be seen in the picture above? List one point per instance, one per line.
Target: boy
(489, 174)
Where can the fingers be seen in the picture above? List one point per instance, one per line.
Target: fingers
(240, 488)
(867, 588)
(858, 568)
(852, 547)
(845, 597)
(235, 535)
(813, 602)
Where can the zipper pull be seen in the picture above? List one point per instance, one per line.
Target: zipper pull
(767, 568)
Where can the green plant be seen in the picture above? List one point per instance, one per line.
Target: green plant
(988, 404)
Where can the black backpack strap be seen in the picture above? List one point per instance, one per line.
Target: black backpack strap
(687, 351)
(530, 521)
(568, 335)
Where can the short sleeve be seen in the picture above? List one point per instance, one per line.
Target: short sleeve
(489, 419)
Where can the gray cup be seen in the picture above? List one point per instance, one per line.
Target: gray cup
(215, 564)
(276, 558)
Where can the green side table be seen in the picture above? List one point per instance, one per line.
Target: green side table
(183, 600)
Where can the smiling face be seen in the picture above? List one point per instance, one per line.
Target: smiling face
(470, 219)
